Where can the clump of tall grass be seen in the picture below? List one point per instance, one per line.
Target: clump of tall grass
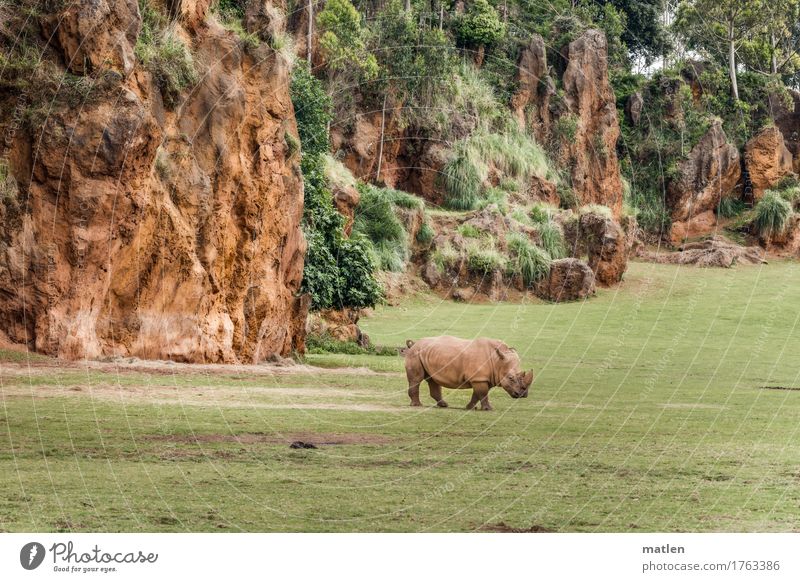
(541, 213)
(495, 196)
(375, 218)
(445, 257)
(337, 173)
(772, 215)
(552, 239)
(469, 231)
(514, 153)
(483, 258)
(425, 234)
(526, 259)
(730, 207)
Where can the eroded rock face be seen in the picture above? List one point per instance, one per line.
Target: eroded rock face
(710, 172)
(162, 234)
(589, 98)
(767, 160)
(569, 280)
(95, 35)
(530, 105)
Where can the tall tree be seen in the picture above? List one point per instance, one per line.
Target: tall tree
(720, 26)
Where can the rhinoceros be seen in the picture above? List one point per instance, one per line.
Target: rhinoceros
(452, 362)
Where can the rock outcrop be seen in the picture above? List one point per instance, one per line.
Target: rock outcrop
(530, 105)
(713, 252)
(711, 171)
(155, 233)
(568, 280)
(767, 160)
(605, 242)
(591, 154)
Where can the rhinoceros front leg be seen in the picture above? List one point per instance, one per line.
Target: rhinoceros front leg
(436, 393)
(480, 393)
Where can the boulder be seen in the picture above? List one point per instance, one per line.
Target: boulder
(605, 242)
(710, 172)
(696, 226)
(589, 98)
(767, 160)
(568, 280)
(633, 108)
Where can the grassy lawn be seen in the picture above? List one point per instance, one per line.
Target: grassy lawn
(654, 408)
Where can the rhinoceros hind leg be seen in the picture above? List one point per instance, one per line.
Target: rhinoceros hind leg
(413, 393)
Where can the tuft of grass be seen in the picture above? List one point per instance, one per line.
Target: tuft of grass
(425, 234)
(375, 219)
(445, 257)
(730, 207)
(164, 55)
(772, 214)
(603, 211)
(337, 173)
(552, 239)
(541, 213)
(521, 216)
(483, 258)
(325, 344)
(469, 231)
(405, 200)
(494, 196)
(526, 259)
(462, 180)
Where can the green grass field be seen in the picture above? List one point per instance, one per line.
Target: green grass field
(670, 403)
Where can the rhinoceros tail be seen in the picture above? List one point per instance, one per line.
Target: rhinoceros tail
(409, 343)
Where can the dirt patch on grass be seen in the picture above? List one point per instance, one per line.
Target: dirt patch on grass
(316, 438)
(790, 388)
(502, 527)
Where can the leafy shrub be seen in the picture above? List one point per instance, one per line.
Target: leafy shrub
(772, 214)
(326, 344)
(527, 260)
(469, 231)
(343, 39)
(338, 272)
(479, 25)
(483, 258)
(566, 128)
(552, 239)
(164, 54)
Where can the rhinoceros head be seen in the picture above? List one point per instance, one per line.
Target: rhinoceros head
(514, 381)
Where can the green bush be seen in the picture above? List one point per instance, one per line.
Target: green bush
(338, 272)
(343, 40)
(164, 54)
(479, 25)
(527, 260)
(772, 214)
(326, 344)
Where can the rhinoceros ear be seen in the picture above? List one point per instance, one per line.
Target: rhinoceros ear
(527, 378)
(500, 353)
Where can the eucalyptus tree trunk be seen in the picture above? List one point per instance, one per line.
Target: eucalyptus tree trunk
(732, 63)
(310, 30)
